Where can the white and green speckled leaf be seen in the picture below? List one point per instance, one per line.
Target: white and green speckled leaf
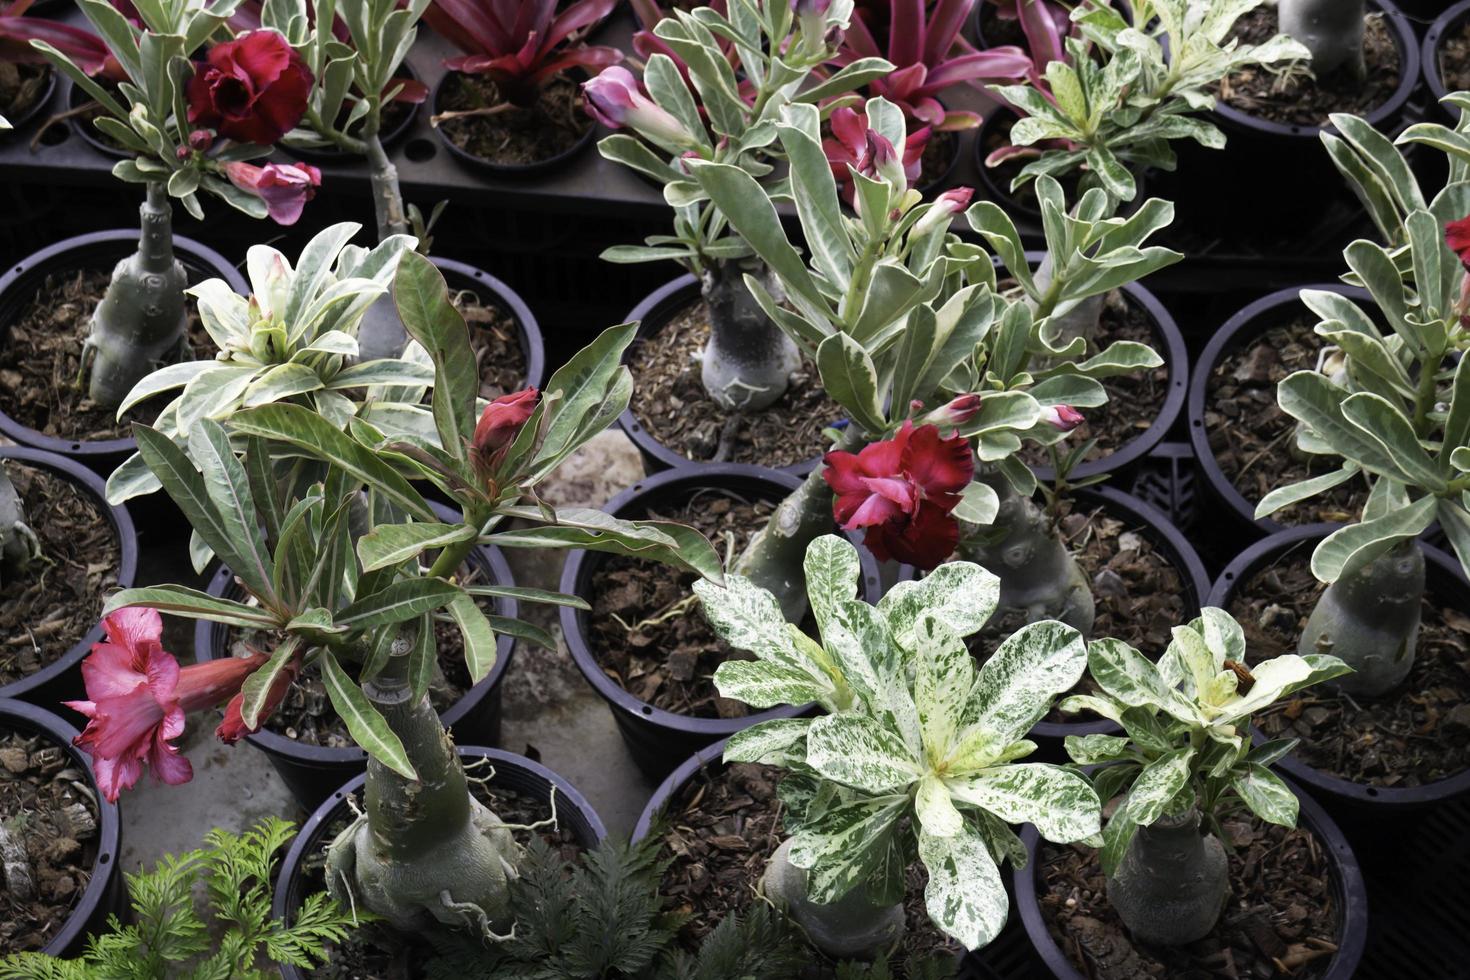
(1222, 634)
(832, 573)
(1015, 688)
(843, 845)
(1160, 781)
(965, 896)
(1267, 796)
(767, 684)
(857, 751)
(777, 742)
(944, 672)
(748, 618)
(1088, 750)
(1061, 803)
(873, 666)
(960, 594)
(1103, 706)
(935, 809)
(1188, 664)
(1132, 679)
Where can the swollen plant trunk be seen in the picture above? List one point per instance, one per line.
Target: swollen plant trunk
(850, 928)
(1331, 29)
(1172, 883)
(773, 559)
(748, 362)
(1081, 320)
(1370, 620)
(18, 544)
(381, 333)
(424, 851)
(1038, 575)
(140, 322)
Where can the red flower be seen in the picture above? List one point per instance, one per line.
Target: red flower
(902, 490)
(1063, 417)
(233, 727)
(253, 89)
(1457, 237)
(871, 154)
(284, 187)
(139, 697)
(498, 427)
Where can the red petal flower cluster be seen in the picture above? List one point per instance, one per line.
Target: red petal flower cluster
(253, 89)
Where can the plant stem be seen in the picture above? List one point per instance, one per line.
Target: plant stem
(1425, 392)
(748, 362)
(387, 195)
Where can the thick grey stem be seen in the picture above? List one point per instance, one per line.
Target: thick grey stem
(849, 928)
(773, 559)
(381, 333)
(1370, 620)
(424, 851)
(1080, 321)
(18, 544)
(1172, 883)
(1038, 575)
(1331, 29)
(140, 322)
(748, 362)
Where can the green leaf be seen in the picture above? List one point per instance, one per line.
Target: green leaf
(397, 602)
(431, 319)
(388, 545)
(857, 751)
(815, 193)
(851, 379)
(191, 603)
(257, 687)
(965, 896)
(581, 527)
(229, 491)
(368, 728)
(979, 504)
(1267, 796)
(1295, 493)
(1061, 803)
(1349, 548)
(1384, 423)
(478, 636)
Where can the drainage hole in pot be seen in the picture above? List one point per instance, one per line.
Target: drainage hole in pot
(55, 135)
(104, 858)
(75, 446)
(420, 150)
(647, 710)
(1372, 791)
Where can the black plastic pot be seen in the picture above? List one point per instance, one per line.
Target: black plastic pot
(311, 772)
(461, 275)
(101, 250)
(518, 171)
(512, 772)
(652, 314)
(62, 680)
(1347, 800)
(1244, 326)
(105, 894)
(1444, 25)
(395, 133)
(1169, 342)
(1347, 887)
(20, 120)
(659, 740)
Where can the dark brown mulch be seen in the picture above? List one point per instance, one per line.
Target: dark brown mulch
(723, 827)
(20, 87)
(939, 154)
(646, 628)
(1138, 591)
(42, 352)
(306, 714)
(670, 401)
(379, 952)
(1134, 400)
(496, 343)
(1417, 734)
(1254, 441)
(1281, 919)
(997, 31)
(59, 599)
(48, 811)
(514, 137)
(1454, 57)
(1298, 98)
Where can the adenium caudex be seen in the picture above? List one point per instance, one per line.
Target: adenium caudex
(19, 545)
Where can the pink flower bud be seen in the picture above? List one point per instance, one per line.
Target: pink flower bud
(201, 140)
(957, 411)
(615, 99)
(1063, 417)
(942, 211)
(498, 427)
(284, 187)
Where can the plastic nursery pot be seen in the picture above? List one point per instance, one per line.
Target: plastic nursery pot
(105, 893)
(511, 171)
(461, 275)
(512, 772)
(312, 772)
(99, 250)
(62, 679)
(1169, 342)
(1348, 891)
(1349, 801)
(658, 739)
(1446, 26)
(20, 120)
(653, 313)
(1243, 327)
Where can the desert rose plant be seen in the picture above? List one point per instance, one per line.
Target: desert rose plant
(169, 113)
(915, 757)
(19, 546)
(1399, 414)
(1185, 762)
(747, 363)
(355, 599)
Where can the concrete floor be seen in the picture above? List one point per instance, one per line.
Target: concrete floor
(550, 710)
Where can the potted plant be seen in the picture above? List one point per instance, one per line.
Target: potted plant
(753, 402)
(1184, 767)
(27, 79)
(509, 101)
(61, 547)
(915, 758)
(62, 847)
(1446, 55)
(117, 330)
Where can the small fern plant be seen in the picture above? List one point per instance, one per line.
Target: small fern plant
(231, 937)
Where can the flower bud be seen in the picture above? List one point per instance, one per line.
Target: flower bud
(957, 411)
(943, 210)
(615, 99)
(499, 425)
(1063, 417)
(1457, 237)
(201, 140)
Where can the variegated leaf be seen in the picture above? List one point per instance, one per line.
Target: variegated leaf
(1188, 664)
(1088, 750)
(832, 573)
(1267, 796)
(857, 751)
(748, 618)
(1280, 676)
(1061, 803)
(1015, 688)
(965, 896)
(843, 845)
(943, 672)
(1160, 781)
(863, 650)
(1132, 679)
(778, 742)
(935, 810)
(960, 594)
(767, 684)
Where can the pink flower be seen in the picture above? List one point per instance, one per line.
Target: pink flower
(1457, 237)
(614, 98)
(957, 411)
(284, 187)
(902, 491)
(139, 697)
(498, 427)
(854, 146)
(1063, 417)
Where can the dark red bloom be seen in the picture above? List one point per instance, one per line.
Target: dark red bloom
(902, 491)
(498, 427)
(1457, 237)
(853, 145)
(253, 89)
